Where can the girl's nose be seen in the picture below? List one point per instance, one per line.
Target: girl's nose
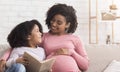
(40, 33)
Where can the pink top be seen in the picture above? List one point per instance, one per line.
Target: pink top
(66, 63)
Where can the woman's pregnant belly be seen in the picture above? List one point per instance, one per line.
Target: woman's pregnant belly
(64, 63)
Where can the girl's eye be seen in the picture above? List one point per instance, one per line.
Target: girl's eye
(37, 30)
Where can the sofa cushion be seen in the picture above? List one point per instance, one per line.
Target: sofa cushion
(101, 55)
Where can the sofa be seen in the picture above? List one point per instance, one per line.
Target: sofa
(100, 55)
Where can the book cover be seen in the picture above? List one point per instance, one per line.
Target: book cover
(36, 65)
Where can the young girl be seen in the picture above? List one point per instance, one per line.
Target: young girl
(24, 38)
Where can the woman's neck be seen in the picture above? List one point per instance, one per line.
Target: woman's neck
(59, 34)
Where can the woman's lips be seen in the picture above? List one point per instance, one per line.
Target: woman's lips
(53, 28)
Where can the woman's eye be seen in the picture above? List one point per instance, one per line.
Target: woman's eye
(52, 21)
(59, 23)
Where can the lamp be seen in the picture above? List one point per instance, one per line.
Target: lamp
(111, 15)
(113, 6)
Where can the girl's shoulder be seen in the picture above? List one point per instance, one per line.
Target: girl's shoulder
(40, 48)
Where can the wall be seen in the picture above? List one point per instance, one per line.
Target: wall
(110, 27)
(12, 12)
(105, 27)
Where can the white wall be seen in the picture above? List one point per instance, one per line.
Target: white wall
(13, 12)
(108, 27)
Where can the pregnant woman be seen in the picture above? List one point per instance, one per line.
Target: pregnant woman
(60, 43)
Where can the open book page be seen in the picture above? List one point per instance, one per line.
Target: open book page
(35, 65)
(114, 66)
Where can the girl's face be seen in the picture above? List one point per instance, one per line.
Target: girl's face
(35, 37)
(58, 25)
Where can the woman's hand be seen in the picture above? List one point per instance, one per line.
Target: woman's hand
(64, 51)
(22, 60)
(2, 65)
(61, 51)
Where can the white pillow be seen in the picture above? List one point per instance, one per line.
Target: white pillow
(114, 66)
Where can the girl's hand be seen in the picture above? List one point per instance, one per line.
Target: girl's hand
(2, 65)
(22, 60)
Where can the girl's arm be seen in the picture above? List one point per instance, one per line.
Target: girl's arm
(13, 57)
(16, 57)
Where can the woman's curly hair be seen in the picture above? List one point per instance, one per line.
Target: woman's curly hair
(67, 11)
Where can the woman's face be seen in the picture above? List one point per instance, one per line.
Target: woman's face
(35, 37)
(58, 25)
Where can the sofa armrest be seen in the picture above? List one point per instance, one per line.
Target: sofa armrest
(101, 55)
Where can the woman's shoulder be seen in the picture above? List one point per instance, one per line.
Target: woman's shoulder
(46, 34)
(73, 36)
(70, 35)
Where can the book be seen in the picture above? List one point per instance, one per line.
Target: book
(36, 65)
(114, 66)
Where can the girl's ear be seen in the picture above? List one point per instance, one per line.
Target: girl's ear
(68, 25)
(28, 37)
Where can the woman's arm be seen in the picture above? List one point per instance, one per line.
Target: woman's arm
(6, 55)
(80, 55)
(82, 61)
(3, 59)
(2, 65)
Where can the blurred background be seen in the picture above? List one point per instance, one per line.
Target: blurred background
(98, 20)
